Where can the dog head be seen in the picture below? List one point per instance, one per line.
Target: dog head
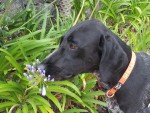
(82, 49)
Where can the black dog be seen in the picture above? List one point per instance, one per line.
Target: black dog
(90, 46)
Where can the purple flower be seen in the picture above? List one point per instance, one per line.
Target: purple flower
(39, 70)
(28, 67)
(29, 77)
(42, 74)
(33, 69)
(52, 80)
(31, 73)
(43, 71)
(37, 76)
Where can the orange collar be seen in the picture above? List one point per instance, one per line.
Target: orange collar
(111, 92)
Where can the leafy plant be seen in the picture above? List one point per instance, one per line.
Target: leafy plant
(17, 98)
(129, 19)
(24, 95)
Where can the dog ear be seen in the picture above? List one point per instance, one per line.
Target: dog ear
(113, 57)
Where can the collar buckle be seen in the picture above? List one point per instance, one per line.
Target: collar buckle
(111, 93)
(118, 86)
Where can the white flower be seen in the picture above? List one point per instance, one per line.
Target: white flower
(43, 91)
(45, 79)
(38, 61)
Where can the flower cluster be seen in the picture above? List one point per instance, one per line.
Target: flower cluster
(37, 77)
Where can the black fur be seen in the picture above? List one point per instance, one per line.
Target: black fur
(90, 46)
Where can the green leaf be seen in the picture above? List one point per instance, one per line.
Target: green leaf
(11, 59)
(15, 64)
(9, 88)
(123, 18)
(18, 110)
(4, 105)
(44, 25)
(23, 51)
(54, 100)
(25, 108)
(94, 93)
(7, 96)
(49, 109)
(75, 110)
(64, 91)
(46, 109)
(33, 91)
(63, 102)
(13, 107)
(138, 9)
(42, 109)
(88, 100)
(37, 23)
(33, 104)
(90, 84)
(69, 84)
(19, 15)
(34, 16)
(25, 37)
(40, 100)
(49, 33)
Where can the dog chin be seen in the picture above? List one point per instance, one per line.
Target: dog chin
(62, 77)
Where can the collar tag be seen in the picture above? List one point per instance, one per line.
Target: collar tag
(118, 86)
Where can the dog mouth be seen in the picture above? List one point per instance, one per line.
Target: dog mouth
(55, 72)
(68, 76)
(62, 77)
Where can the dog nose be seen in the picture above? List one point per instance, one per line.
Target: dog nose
(41, 66)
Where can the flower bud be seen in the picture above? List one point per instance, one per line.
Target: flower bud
(37, 61)
(45, 79)
(43, 91)
(52, 80)
(25, 74)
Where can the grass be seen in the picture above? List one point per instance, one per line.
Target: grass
(29, 35)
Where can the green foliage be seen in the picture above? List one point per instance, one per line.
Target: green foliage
(29, 35)
(76, 95)
(15, 97)
(130, 19)
(19, 96)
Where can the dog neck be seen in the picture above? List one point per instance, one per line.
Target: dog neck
(116, 56)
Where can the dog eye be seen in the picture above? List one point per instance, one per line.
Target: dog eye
(73, 46)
